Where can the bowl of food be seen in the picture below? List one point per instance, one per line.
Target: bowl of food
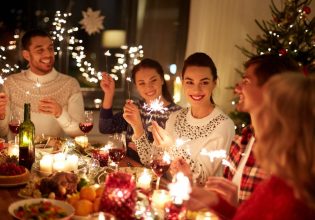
(41, 209)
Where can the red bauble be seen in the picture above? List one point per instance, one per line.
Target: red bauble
(282, 52)
(306, 10)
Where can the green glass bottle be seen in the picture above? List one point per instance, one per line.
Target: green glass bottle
(26, 139)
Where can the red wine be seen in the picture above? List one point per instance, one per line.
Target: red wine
(101, 156)
(159, 167)
(117, 154)
(26, 158)
(14, 127)
(86, 127)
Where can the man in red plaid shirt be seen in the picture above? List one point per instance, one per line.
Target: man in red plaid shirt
(243, 173)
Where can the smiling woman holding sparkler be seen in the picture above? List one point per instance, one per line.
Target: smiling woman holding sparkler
(203, 126)
(148, 77)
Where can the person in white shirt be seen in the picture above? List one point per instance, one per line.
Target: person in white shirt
(201, 127)
(57, 104)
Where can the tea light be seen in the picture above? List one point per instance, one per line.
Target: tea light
(45, 164)
(160, 198)
(144, 180)
(83, 141)
(13, 150)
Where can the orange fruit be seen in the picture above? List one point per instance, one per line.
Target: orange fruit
(73, 198)
(99, 190)
(83, 207)
(96, 204)
(88, 192)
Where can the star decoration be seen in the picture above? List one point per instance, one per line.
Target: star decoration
(92, 22)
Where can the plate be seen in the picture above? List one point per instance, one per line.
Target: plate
(65, 206)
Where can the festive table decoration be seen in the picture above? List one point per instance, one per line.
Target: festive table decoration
(179, 189)
(119, 196)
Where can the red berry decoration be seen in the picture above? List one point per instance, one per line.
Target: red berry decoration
(306, 10)
(282, 51)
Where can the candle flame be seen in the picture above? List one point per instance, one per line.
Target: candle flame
(107, 53)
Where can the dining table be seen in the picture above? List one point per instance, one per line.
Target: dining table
(9, 195)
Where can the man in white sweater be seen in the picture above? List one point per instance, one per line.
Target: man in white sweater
(57, 104)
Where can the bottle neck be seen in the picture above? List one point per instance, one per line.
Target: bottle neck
(27, 112)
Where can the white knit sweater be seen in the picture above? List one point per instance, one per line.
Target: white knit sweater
(21, 88)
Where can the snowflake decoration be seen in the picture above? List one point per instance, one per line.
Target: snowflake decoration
(92, 22)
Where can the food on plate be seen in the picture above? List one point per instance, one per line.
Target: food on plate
(60, 183)
(43, 210)
(12, 173)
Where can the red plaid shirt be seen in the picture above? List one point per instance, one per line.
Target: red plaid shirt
(252, 173)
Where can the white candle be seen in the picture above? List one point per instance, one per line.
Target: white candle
(13, 150)
(45, 164)
(59, 166)
(83, 141)
(59, 157)
(144, 181)
(72, 162)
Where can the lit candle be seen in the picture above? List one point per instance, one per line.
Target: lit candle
(13, 150)
(82, 141)
(144, 180)
(45, 164)
(59, 166)
(59, 157)
(160, 198)
(72, 162)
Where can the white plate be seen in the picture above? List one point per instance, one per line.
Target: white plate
(65, 206)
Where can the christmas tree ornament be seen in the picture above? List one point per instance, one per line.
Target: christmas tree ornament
(92, 21)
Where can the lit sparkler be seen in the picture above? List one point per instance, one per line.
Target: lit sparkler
(217, 154)
(107, 54)
(155, 105)
(180, 188)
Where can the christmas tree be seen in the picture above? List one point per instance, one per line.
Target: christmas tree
(290, 32)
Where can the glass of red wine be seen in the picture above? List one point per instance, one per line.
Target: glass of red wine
(14, 124)
(160, 163)
(117, 148)
(87, 125)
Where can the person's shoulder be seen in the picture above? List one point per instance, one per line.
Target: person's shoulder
(68, 79)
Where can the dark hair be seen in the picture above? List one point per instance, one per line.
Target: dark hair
(268, 65)
(26, 39)
(201, 60)
(152, 64)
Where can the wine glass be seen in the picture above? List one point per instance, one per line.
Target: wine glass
(160, 163)
(14, 124)
(117, 148)
(87, 125)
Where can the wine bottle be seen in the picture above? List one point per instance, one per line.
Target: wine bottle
(26, 139)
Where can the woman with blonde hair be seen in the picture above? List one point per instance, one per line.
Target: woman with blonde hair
(285, 148)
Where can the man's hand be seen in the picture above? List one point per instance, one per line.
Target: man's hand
(50, 106)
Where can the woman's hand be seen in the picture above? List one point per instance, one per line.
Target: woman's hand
(180, 165)
(224, 187)
(161, 137)
(132, 116)
(107, 84)
(200, 199)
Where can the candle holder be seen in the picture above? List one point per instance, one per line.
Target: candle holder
(175, 211)
(159, 201)
(119, 196)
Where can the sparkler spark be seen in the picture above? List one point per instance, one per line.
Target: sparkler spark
(155, 106)
(219, 154)
(180, 188)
